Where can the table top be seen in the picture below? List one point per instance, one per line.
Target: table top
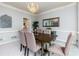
(44, 38)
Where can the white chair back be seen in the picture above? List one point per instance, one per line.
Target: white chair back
(31, 43)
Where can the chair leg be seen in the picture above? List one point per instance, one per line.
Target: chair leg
(48, 53)
(20, 47)
(27, 51)
(42, 49)
(35, 54)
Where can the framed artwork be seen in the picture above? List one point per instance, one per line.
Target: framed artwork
(51, 22)
(5, 21)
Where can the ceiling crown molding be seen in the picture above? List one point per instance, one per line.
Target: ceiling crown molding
(14, 8)
(58, 8)
(17, 9)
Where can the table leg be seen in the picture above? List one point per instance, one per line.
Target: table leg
(46, 47)
(42, 50)
(49, 43)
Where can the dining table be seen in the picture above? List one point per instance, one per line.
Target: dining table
(44, 39)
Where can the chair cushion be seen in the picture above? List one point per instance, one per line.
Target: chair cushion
(56, 49)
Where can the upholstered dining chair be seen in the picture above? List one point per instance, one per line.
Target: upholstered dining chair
(31, 43)
(59, 50)
(39, 30)
(23, 40)
(47, 31)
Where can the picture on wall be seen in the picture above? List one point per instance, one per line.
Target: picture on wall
(51, 22)
(5, 21)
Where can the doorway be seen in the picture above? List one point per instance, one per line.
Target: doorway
(27, 23)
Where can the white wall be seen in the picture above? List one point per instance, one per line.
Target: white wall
(78, 24)
(17, 16)
(67, 16)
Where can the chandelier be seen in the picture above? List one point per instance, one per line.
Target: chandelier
(33, 7)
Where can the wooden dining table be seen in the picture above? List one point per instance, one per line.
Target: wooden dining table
(43, 39)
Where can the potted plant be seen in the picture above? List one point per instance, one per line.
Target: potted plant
(35, 25)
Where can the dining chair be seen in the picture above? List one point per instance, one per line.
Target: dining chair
(59, 50)
(47, 31)
(39, 30)
(31, 43)
(23, 43)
